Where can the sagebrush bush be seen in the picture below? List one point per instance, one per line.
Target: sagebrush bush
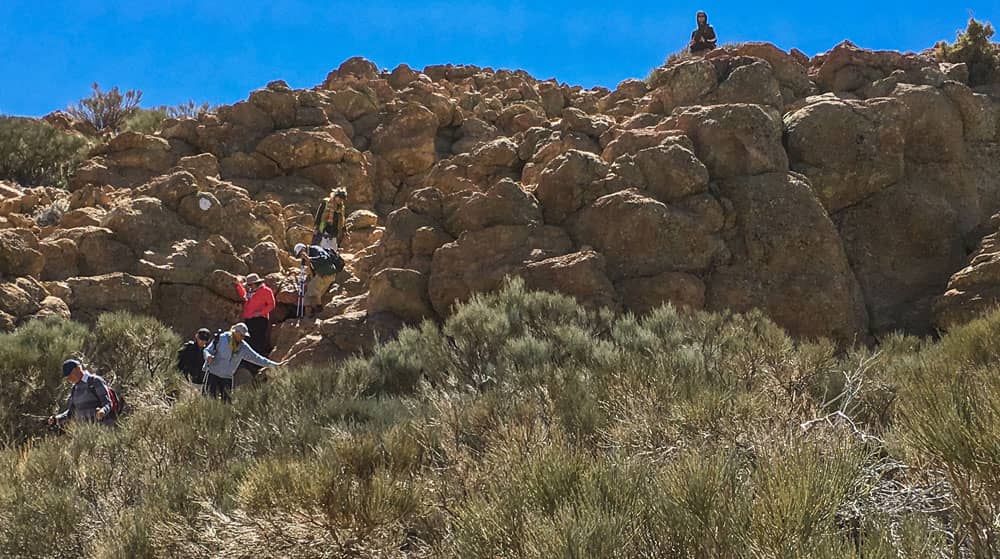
(106, 111)
(525, 426)
(35, 153)
(973, 47)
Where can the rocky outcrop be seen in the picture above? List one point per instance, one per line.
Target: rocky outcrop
(838, 194)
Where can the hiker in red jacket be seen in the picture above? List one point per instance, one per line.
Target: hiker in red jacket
(258, 302)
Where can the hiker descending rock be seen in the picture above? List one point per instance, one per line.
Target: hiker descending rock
(223, 357)
(703, 38)
(190, 360)
(90, 399)
(258, 302)
(330, 219)
(322, 266)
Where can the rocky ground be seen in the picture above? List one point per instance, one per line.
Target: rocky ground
(847, 195)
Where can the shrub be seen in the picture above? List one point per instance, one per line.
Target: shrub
(146, 121)
(189, 109)
(108, 110)
(974, 48)
(34, 153)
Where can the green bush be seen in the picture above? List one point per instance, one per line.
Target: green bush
(35, 153)
(973, 47)
(146, 121)
(106, 111)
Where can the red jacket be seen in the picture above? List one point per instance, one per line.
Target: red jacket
(260, 303)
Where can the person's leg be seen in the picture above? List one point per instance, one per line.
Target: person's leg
(316, 288)
(212, 385)
(257, 340)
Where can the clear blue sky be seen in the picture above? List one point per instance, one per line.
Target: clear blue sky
(220, 50)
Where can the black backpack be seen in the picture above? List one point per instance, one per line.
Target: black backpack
(326, 262)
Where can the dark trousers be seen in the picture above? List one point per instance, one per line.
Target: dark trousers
(218, 387)
(259, 340)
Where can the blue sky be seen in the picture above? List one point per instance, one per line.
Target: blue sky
(220, 50)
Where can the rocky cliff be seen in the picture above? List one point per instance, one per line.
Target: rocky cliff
(841, 194)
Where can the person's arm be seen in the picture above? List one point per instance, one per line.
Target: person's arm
(68, 412)
(710, 34)
(268, 302)
(319, 216)
(241, 291)
(252, 356)
(100, 389)
(182, 354)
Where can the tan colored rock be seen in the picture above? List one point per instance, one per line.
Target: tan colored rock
(479, 260)
(733, 140)
(635, 140)
(249, 165)
(296, 148)
(667, 172)
(503, 204)
(111, 292)
(580, 275)
(934, 131)
(98, 252)
(748, 81)
(203, 308)
(263, 259)
(788, 260)
(400, 292)
(16, 302)
(201, 166)
(170, 189)
(52, 307)
(61, 256)
(428, 239)
(190, 262)
(644, 294)
(974, 290)
(19, 254)
(406, 139)
(569, 182)
(82, 217)
(145, 223)
(640, 236)
(278, 101)
(682, 84)
(361, 219)
(848, 149)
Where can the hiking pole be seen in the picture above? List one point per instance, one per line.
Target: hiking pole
(300, 307)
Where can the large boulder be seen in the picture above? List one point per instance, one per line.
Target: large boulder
(682, 84)
(97, 250)
(191, 262)
(297, 148)
(94, 295)
(580, 275)
(479, 260)
(733, 140)
(643, 294)
(848, 149)
(747, 80)
(788, 261)
(145, 223)
(640, 236)
(569, 182)
(203, 308)
(20, 254)
(503, 204)
(406, 139)
(17, 302)
(667, 172)
(401, 292)
(934, 126)
(973, 290)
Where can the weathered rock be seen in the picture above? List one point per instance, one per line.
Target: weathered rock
(201, 166)
(635, 140)
(190, 262)
(111, 292)
(263, 259)
(400, 292)
(580, 275)
(296, 148)
(479, 260)
(569, 182)
(19, 254)
(751, 82)
(733, 140)
(503, 204)
(934, 129)
(788, 261)
(61, 256)
(406, 140)
(667, 172)
(170, 189)
(361, 219)
(278, 101)
(640, 236)
(973, 290)
(682, 84)
(202, 308)
(145, 223)
(643, 294)
(16, 302)
(848, 149)
(82, 217)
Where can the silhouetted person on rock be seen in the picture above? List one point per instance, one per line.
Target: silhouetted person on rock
(702, 39)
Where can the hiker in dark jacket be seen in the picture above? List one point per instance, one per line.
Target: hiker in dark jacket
(190, 360)
(89, 399)
(322, 266)
(702, 39)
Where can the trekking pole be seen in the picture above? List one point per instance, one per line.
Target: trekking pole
(300, 307)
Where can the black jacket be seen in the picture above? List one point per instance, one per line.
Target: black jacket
(190, 361)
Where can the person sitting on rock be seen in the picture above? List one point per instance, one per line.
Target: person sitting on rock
(330, 220)
(190, 360)
(258, 302)
(702, 39)
(224, 356)
(90, 399)
(322, 266)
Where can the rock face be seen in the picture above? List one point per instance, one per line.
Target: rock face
(841, 195)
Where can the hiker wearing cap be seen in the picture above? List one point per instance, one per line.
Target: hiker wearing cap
(223, 357)
(190, 360)
(330, 220)
(258, 302)
(90, 398)
(702, 39)
(322, 266)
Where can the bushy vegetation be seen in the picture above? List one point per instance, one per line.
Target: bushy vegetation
(525, 426)
(106, 111)
(35, 153)
(973, 47)
(148, 121)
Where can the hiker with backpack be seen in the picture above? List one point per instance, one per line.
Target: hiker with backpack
(330, 219)
(191, 360)
(224, 355)
(90, 398)
(322, 266)
(258, 302)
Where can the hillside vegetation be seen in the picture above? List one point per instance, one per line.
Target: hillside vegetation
(523, 426)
